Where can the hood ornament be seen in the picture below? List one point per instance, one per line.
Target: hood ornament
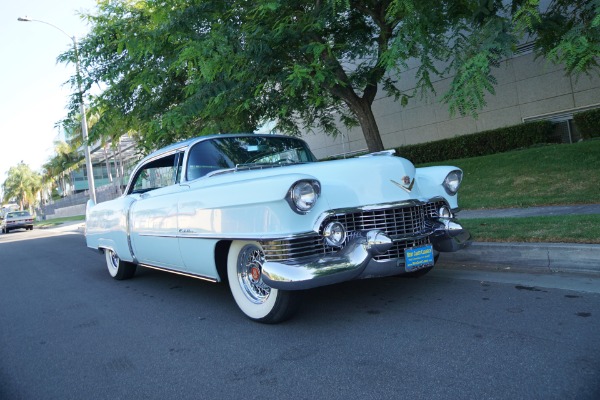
(406, 185)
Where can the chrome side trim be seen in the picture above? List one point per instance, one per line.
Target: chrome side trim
(230, 237)
(145, 161)
(187, 274)
(128, 232)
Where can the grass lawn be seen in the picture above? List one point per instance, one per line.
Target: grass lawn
(546, 175)
(58, 221)
(552, 229)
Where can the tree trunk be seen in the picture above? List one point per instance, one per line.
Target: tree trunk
(107, 164)
(367, 121)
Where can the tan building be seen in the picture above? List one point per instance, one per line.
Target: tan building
(527, 89)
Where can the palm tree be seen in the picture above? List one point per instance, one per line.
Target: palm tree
(22, 185)
(61, 166)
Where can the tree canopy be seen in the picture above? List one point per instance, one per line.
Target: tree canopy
(22, 185)
(171, 70)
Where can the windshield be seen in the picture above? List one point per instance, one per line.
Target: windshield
(245, 151)
(16, 214)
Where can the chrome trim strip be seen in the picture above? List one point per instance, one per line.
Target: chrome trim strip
(230, 237)
(145, 161)
(128, 232)
(187, 274)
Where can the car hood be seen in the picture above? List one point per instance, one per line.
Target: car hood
(344, 183)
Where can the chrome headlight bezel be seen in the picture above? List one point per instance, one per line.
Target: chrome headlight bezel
(335, 234)
(452, 181)
(303, 195)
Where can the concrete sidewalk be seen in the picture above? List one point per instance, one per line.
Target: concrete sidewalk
(579, 209)
(535, 257)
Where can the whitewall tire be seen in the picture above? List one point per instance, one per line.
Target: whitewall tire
(118, 268)
(257, 300)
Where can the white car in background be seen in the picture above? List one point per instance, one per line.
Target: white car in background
(260, 212)
(17, 220)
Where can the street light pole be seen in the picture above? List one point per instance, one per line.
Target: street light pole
(84, 127)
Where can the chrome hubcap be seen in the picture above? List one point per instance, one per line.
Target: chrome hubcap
(114, 259)
(249, 273)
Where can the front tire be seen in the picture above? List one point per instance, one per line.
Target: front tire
(260, 302)
(118, 268)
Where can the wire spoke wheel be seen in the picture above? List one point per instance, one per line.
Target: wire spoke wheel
(256, 299)
(249, 273)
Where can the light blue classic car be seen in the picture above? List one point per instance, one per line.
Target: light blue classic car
(260, 212)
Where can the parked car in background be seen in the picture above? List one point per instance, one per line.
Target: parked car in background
(16, 220)
(260, 212)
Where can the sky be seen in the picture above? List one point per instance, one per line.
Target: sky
(33, 93)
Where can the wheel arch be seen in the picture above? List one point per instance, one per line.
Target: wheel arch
(221, 253)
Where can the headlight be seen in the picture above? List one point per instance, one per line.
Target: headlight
(452, 182)
(444, 212)
(303, 195)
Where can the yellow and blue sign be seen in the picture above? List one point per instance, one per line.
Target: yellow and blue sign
(418, 257)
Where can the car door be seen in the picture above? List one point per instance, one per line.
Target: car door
(153, 217)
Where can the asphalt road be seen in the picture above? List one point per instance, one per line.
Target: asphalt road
(68, 331)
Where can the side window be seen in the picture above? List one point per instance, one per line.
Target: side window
(157, 174)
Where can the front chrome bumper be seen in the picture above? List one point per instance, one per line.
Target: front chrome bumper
(448, 235)
(351, 262)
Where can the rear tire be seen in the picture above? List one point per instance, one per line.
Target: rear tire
(118, 268)
(260, 302)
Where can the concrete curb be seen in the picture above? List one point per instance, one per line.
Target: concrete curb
(541, 257)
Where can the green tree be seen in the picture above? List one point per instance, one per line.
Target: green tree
(569, 33)
(22, 184)
(187, 67)
(58, 169)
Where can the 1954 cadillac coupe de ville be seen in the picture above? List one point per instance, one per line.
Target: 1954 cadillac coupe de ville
(260, 212)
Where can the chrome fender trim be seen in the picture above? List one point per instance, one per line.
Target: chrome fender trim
(347, 264)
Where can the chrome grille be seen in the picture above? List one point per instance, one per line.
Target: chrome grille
(394, 221)
(295, 249)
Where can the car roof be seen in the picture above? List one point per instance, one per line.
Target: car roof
(189, 142)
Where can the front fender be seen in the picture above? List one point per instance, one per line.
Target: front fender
(430, 182)
(107, 226)
(255, 207)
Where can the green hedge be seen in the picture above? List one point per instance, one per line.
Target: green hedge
(588, 123)
(480, 144)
